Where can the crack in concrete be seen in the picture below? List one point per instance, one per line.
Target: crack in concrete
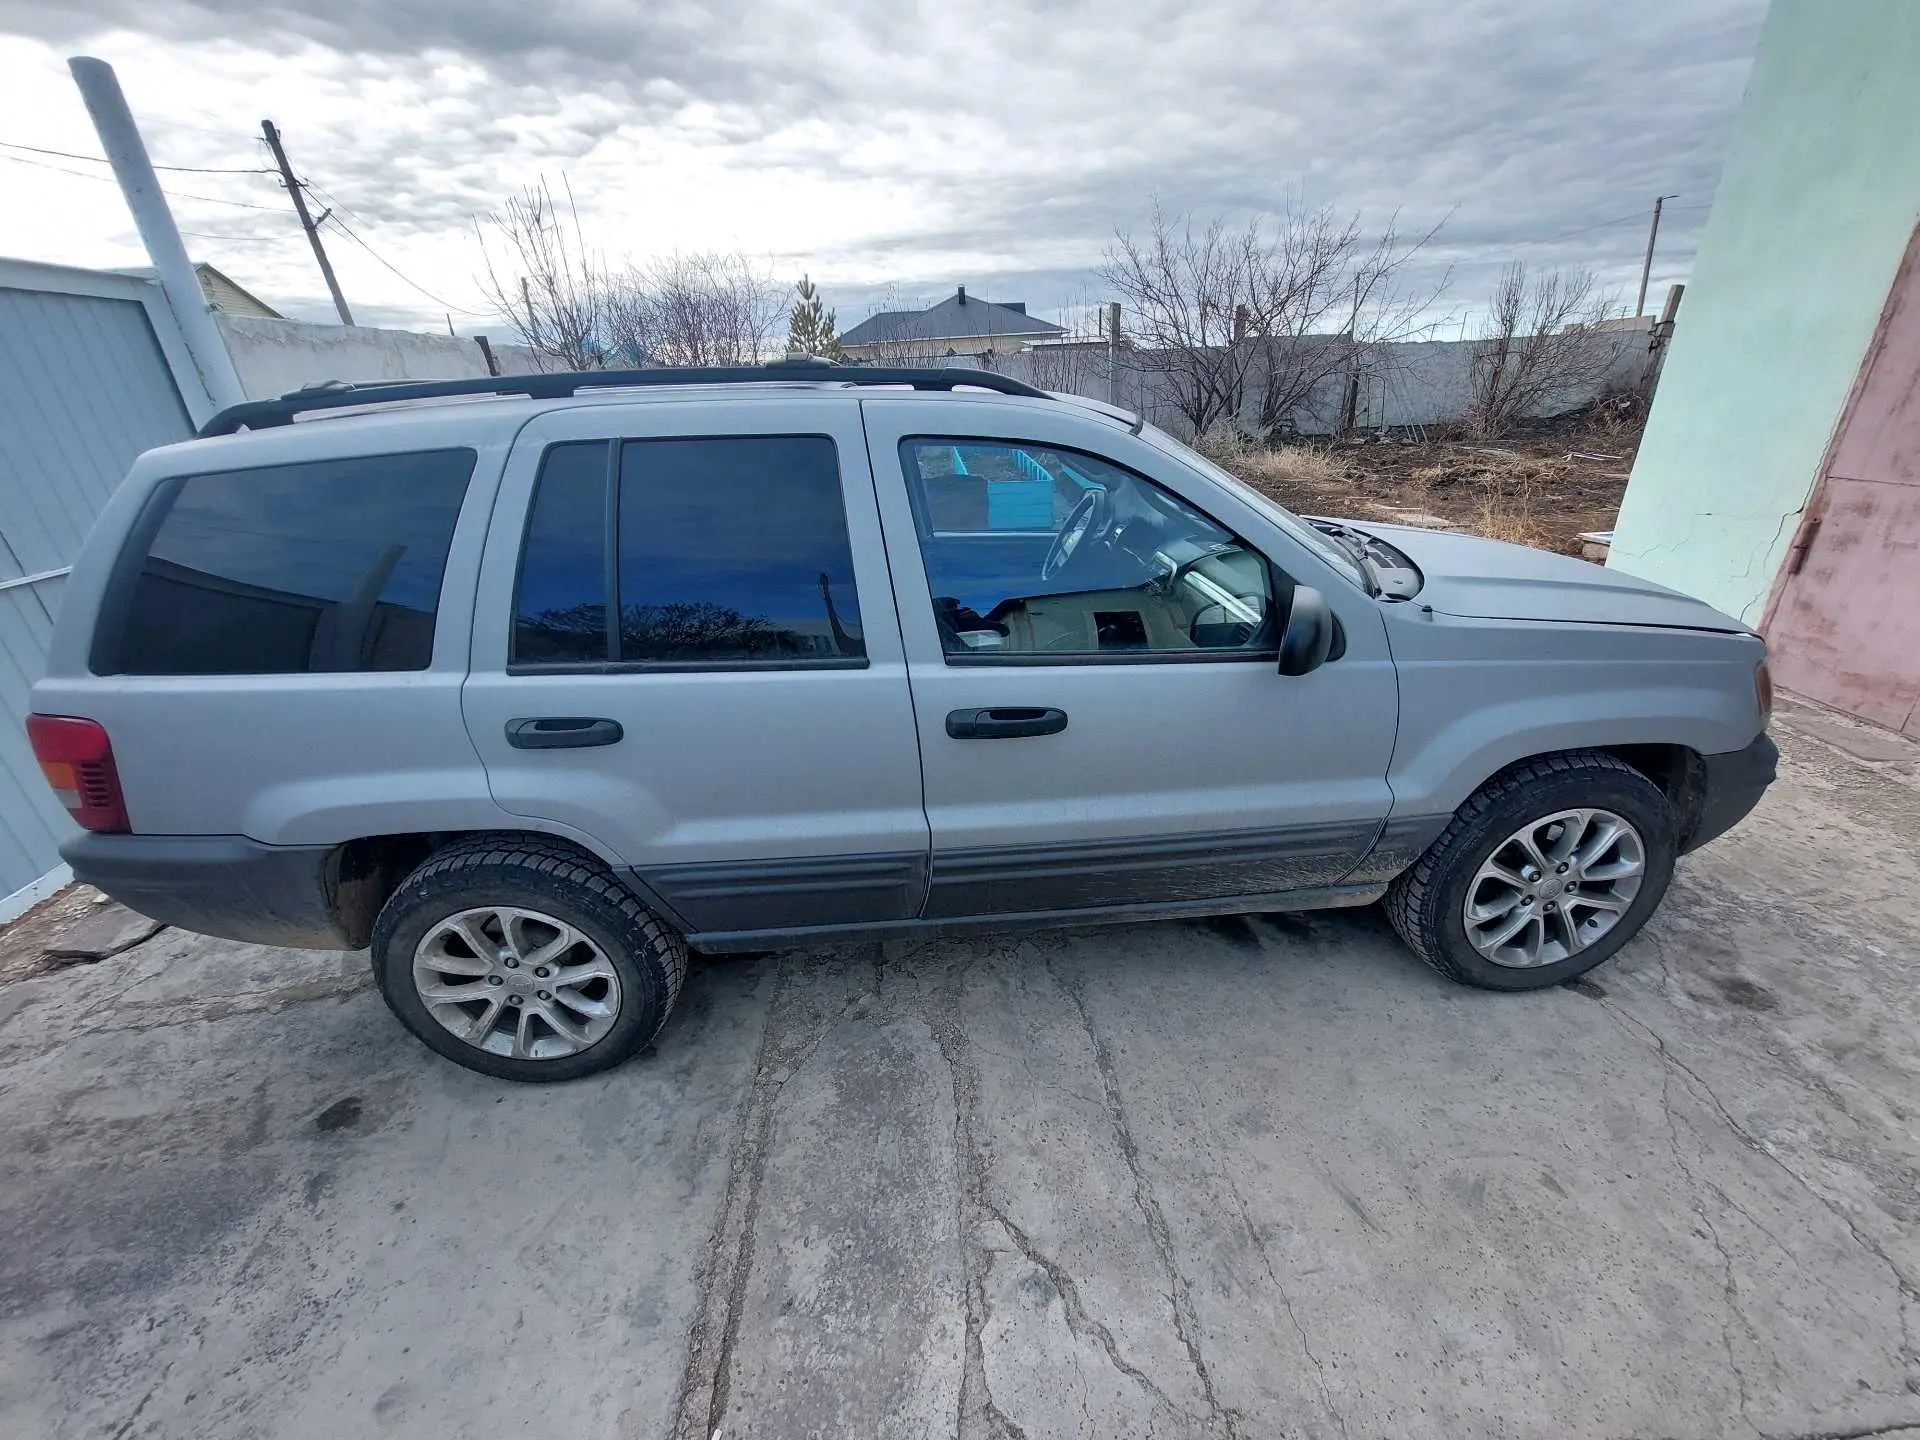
(976, 1396)
(731, 1248)
(1186, 1322)
(126, 1426)
(1079, 1319)
(227, 1007)
(695, 1404)
(1730, 1292)
(1286, 1301)
(1909, 1295)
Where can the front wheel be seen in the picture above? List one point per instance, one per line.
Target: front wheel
(1545, 872)
(519, 958)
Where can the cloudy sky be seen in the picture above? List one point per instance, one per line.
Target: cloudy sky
(884, 145)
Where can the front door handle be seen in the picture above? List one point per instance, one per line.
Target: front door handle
(562, 732)
(1005, 722)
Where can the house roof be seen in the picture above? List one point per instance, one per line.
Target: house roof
(958, 317)
(223, 292)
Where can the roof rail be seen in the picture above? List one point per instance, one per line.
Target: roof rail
(335, 395)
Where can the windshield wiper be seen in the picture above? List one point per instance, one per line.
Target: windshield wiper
(1356, 545)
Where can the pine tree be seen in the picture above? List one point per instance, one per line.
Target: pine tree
(811, 329)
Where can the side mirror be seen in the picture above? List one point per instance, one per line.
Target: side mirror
(1309, 635)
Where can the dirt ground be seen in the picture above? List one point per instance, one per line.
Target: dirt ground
(1544, 487)
(1245, 1177)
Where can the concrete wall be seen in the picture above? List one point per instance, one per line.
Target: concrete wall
(275, 356)
(1814, 210)
(1426, 382)
(1414, 383)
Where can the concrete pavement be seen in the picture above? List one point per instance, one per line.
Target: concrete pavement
(1247, 1177)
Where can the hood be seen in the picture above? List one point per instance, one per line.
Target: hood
(1492, 580)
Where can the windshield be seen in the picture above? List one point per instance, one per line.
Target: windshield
(1324, 546)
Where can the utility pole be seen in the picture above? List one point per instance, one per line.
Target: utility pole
(127, 153)
(307, 222)
(1646, 268)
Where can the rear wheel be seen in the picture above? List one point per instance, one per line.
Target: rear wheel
(1547, 871)
(523, 960)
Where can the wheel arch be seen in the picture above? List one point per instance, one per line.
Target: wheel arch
(369, 868)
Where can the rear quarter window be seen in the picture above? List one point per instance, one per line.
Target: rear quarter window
(329, 565)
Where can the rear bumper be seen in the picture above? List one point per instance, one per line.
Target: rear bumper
(1732, 785)
(224, 885)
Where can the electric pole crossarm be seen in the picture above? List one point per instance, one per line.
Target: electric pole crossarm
(307, 222)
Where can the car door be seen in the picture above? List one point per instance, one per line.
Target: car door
(686, 654)
(1117, 733)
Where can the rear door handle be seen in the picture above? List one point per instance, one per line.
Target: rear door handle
(562, 732)
(1004, 722)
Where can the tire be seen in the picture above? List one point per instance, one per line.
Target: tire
(634, 963)
(1427, 903)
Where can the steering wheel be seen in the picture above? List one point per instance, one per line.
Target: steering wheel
(1088, 517)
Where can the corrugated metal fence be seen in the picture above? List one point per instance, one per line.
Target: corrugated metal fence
(84, 387)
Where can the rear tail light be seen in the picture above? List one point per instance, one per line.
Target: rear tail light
(77, 759)
(1763, 692)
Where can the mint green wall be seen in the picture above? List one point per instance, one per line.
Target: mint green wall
(1815, 207)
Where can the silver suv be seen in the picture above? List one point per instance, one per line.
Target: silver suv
(533, 684)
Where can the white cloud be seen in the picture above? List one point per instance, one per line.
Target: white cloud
(881, 142)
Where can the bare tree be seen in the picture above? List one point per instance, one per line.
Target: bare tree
(1539, 350)
(1265, 313)
(894, 349)
(1185, 294)
(552, 288)
(1077, 363)
(570, 308)
(702, 309)
(1325, 306)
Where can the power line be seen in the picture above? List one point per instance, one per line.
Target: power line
(216, 200)
(57, 169)
(109, 180)
(203, 130)
(273, 209)
(238, 239)
(102, 160)
(1584, 230)
(335, 208)
(443, 304)
(1605, 224)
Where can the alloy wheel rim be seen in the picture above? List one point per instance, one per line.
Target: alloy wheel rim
(516, 982)
(1554, 888)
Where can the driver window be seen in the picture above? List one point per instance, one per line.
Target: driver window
(1035, 552)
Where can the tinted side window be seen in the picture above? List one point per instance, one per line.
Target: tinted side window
(331, 565)
(735, 550)
(560, 604)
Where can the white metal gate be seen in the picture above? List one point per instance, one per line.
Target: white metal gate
(85, 385)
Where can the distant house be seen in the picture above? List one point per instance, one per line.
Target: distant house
(223, 293)
(956, 330)
(229, 298)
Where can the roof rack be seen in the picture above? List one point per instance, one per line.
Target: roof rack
(336, 395)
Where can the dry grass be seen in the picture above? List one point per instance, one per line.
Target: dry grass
(1299, 470)
(1541, 491)
(1507, 513)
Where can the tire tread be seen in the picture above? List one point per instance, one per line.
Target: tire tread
(559, 867)
(1410, 898)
